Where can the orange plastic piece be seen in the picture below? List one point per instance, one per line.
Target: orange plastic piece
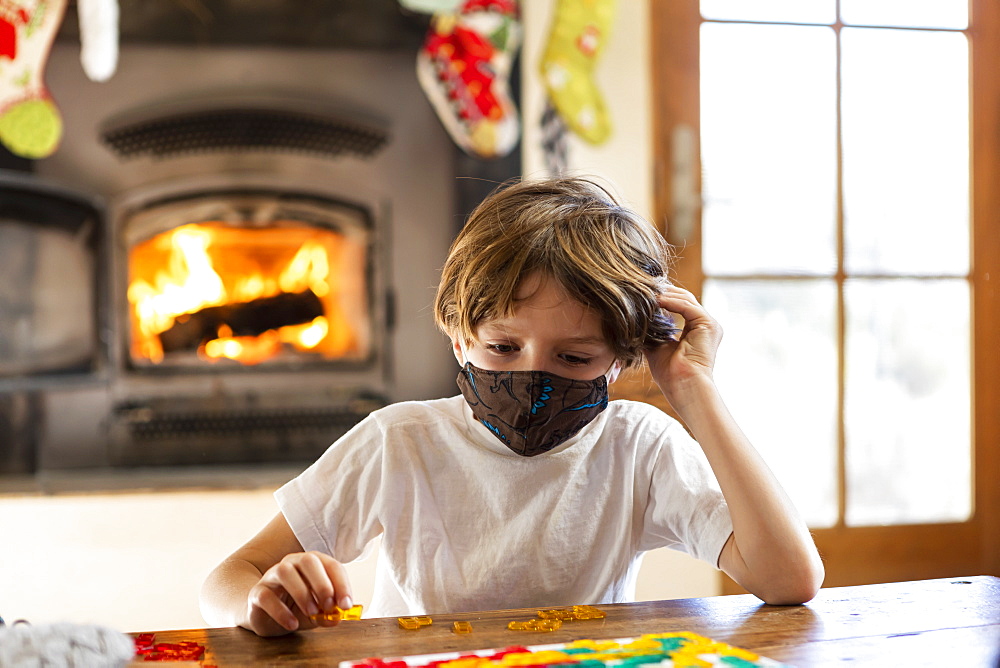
(338, 614)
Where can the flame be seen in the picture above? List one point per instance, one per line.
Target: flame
(197, 271)
(189, 283)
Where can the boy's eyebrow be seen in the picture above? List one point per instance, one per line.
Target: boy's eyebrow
(585, 339)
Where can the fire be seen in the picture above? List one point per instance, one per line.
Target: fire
(177, 275)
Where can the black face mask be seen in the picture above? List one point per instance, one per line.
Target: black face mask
(531, 412)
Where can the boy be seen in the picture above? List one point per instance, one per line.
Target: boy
(530, 488)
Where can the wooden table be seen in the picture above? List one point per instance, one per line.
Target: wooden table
(949, 622)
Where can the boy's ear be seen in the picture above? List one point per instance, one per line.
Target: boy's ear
(456, 347)
(616, 370)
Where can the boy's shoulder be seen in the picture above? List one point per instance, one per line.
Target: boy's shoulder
(422, 411)
(638, 410)
(630, 415)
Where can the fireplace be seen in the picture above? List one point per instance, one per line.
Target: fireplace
(252, 321)
(249, 290)
(247, 279)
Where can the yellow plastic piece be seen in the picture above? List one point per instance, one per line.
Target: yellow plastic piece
(424, 621)
(354, 612)
(408, 623)
(588, 612)
(333, 616)
(338, 614)
(462, 627)
(577, 612)
(535, 625)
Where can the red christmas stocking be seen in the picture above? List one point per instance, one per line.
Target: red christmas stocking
(30, 124)
(463, 69)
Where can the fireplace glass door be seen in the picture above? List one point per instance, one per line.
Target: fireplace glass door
(49, 305)
(249, 279)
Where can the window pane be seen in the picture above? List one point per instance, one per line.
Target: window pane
(789, 11)
(769, 160)
(906, 13)
(907, 425)
(777, 369)
(906, 157)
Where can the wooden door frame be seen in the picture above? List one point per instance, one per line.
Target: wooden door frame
(862, 555)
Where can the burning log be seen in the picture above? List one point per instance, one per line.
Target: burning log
(251, 318)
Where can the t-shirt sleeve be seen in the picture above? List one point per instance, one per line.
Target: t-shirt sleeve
(685, 510)
(332, 506)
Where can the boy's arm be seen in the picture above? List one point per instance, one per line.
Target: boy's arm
(770, 553)
(271, 587)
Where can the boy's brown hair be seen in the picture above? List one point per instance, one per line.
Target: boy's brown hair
(569, 229)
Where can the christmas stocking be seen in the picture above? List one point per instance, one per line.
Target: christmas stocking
(579, 32)
(98, 37)
(463, 69)
(30, 124)
(555, 148)
(430, 6)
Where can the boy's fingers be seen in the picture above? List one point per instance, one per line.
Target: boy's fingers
(341, 584)
(267, 600)
(313, 569)
(292, 581)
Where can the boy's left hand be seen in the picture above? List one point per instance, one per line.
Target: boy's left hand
(691, 357)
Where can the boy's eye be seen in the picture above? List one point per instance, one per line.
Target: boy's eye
(577, 361)
(502, 348)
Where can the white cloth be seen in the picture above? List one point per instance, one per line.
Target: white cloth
(469, 525)
(64, 645)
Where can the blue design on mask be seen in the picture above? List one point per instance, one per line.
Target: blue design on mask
(602, 402)
(494, 430)
(543, 398)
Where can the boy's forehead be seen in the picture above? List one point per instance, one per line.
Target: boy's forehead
(568, 321)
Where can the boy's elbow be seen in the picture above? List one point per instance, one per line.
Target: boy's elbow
(795, 588)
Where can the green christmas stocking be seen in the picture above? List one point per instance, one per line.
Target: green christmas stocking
(579, 32)
(30, 124)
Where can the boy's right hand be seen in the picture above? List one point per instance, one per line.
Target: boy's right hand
(302, 584)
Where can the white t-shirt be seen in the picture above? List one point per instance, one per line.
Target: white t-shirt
(467, 524)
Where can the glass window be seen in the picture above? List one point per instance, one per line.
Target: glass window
(906, 153)
(769, 149)
(834, 264)
(778, 370)
(907, 423)
(785, 11)
(906, 13)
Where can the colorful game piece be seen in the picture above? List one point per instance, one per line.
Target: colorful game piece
(535, 625)
(147, 647)
(413, 623)
(588, 612)
(354, 612)
(577, 612)
(664, 649)
(338, 614)
(462, 627)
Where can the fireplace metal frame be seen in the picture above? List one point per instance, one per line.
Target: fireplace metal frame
(227, 414)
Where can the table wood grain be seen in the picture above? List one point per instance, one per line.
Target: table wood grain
(953, 622)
